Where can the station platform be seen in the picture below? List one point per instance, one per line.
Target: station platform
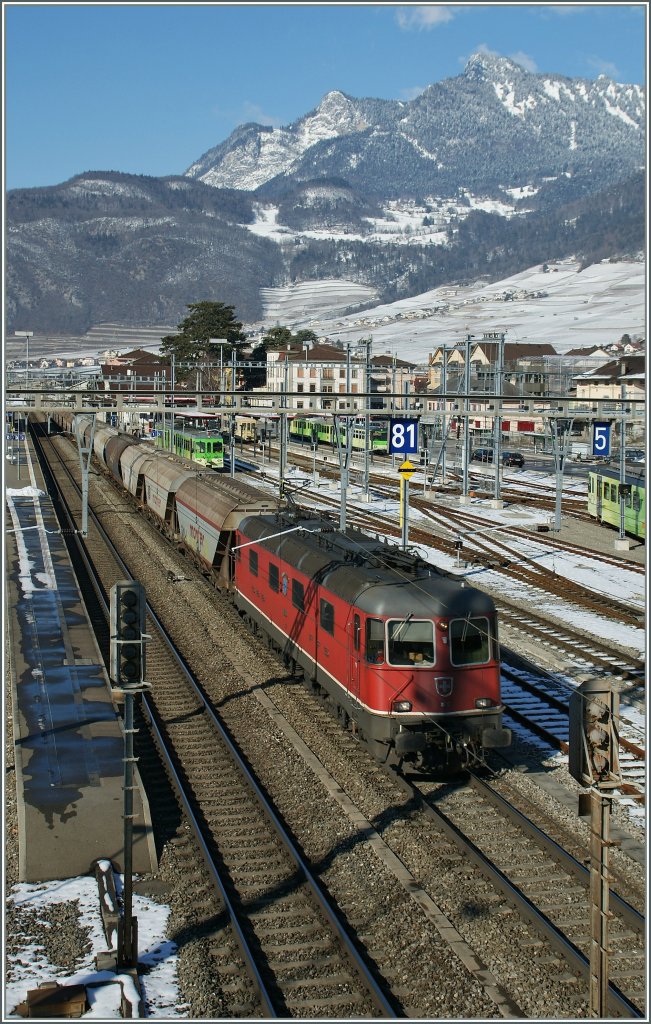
(68, 735)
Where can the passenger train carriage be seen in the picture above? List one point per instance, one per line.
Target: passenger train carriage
(406, 654)
(203, 446)
(604, 499)
(323, 431)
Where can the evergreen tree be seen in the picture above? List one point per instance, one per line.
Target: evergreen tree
(207, 320)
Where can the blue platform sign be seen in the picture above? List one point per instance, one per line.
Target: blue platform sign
(403, 437)
(154, 433)
(601, 439)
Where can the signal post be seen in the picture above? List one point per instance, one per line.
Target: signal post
(594, 763)
(128, 608)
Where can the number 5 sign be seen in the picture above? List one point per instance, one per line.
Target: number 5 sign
(403, 437)
(601, 439)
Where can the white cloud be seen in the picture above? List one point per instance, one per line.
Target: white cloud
(564, 9)
(604, 67)
(483, 48)
(524, 60)
(519, 57)
(252, 112)
(426, 17)
(413, 92)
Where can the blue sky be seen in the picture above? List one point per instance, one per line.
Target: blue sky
(148, 88)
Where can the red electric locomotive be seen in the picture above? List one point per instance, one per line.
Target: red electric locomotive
(407, 653)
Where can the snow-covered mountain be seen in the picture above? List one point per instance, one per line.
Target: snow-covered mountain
(495, 124)
(479, 177)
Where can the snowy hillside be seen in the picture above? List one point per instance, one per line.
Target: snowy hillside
(563, 306)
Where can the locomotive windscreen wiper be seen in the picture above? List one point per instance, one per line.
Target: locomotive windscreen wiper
(401, 625)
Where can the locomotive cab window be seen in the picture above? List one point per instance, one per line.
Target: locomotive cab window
(253, 563)
(274, 577)
(327, 616)
(411, 642)
(636, 501)
(374, 641)
(469, 641)
(298, 595)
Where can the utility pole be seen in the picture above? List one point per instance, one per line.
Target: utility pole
(282, 461)
(232, 416)
(84, 464)
(367, 419)
(465, 457)
(406, 472)
(624, 488)
(497, 424)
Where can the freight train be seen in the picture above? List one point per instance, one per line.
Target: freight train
(406, 654)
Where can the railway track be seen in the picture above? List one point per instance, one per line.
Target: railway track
(299, 958)
(416, 870)
(541, 704)
(545, 883)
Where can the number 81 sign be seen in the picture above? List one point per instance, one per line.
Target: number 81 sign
(403, 437)
(601, 439)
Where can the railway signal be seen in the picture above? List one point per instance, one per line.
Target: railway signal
(594, 742)
(128, 607)
(127, 630)
(594, 763)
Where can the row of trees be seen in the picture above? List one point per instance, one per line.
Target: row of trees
(211, 333)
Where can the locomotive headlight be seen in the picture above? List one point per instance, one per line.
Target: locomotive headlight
(484, 702)
(401, 705)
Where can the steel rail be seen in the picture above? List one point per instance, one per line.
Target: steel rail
(617, 1002)
(384, 1007)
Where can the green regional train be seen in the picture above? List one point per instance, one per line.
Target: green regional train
(603, 500)
(311, 428)
(203, 446)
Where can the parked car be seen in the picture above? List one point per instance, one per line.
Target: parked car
(512, 459)
(637, 455)
(482, 455)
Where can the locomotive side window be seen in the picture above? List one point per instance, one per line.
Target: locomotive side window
(375, 640)
(253, 563)
(298, 595)
(636, 501)
(469, 641)
(274, 577)
(327, 617)
(411, 643)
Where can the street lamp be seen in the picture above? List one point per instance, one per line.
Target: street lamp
(26, 335)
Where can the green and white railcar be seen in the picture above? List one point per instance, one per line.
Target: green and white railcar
(323, 431)
(604, 500)
(203, 446)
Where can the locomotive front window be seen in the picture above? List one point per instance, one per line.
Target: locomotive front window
(410, 642)
(469, 641)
